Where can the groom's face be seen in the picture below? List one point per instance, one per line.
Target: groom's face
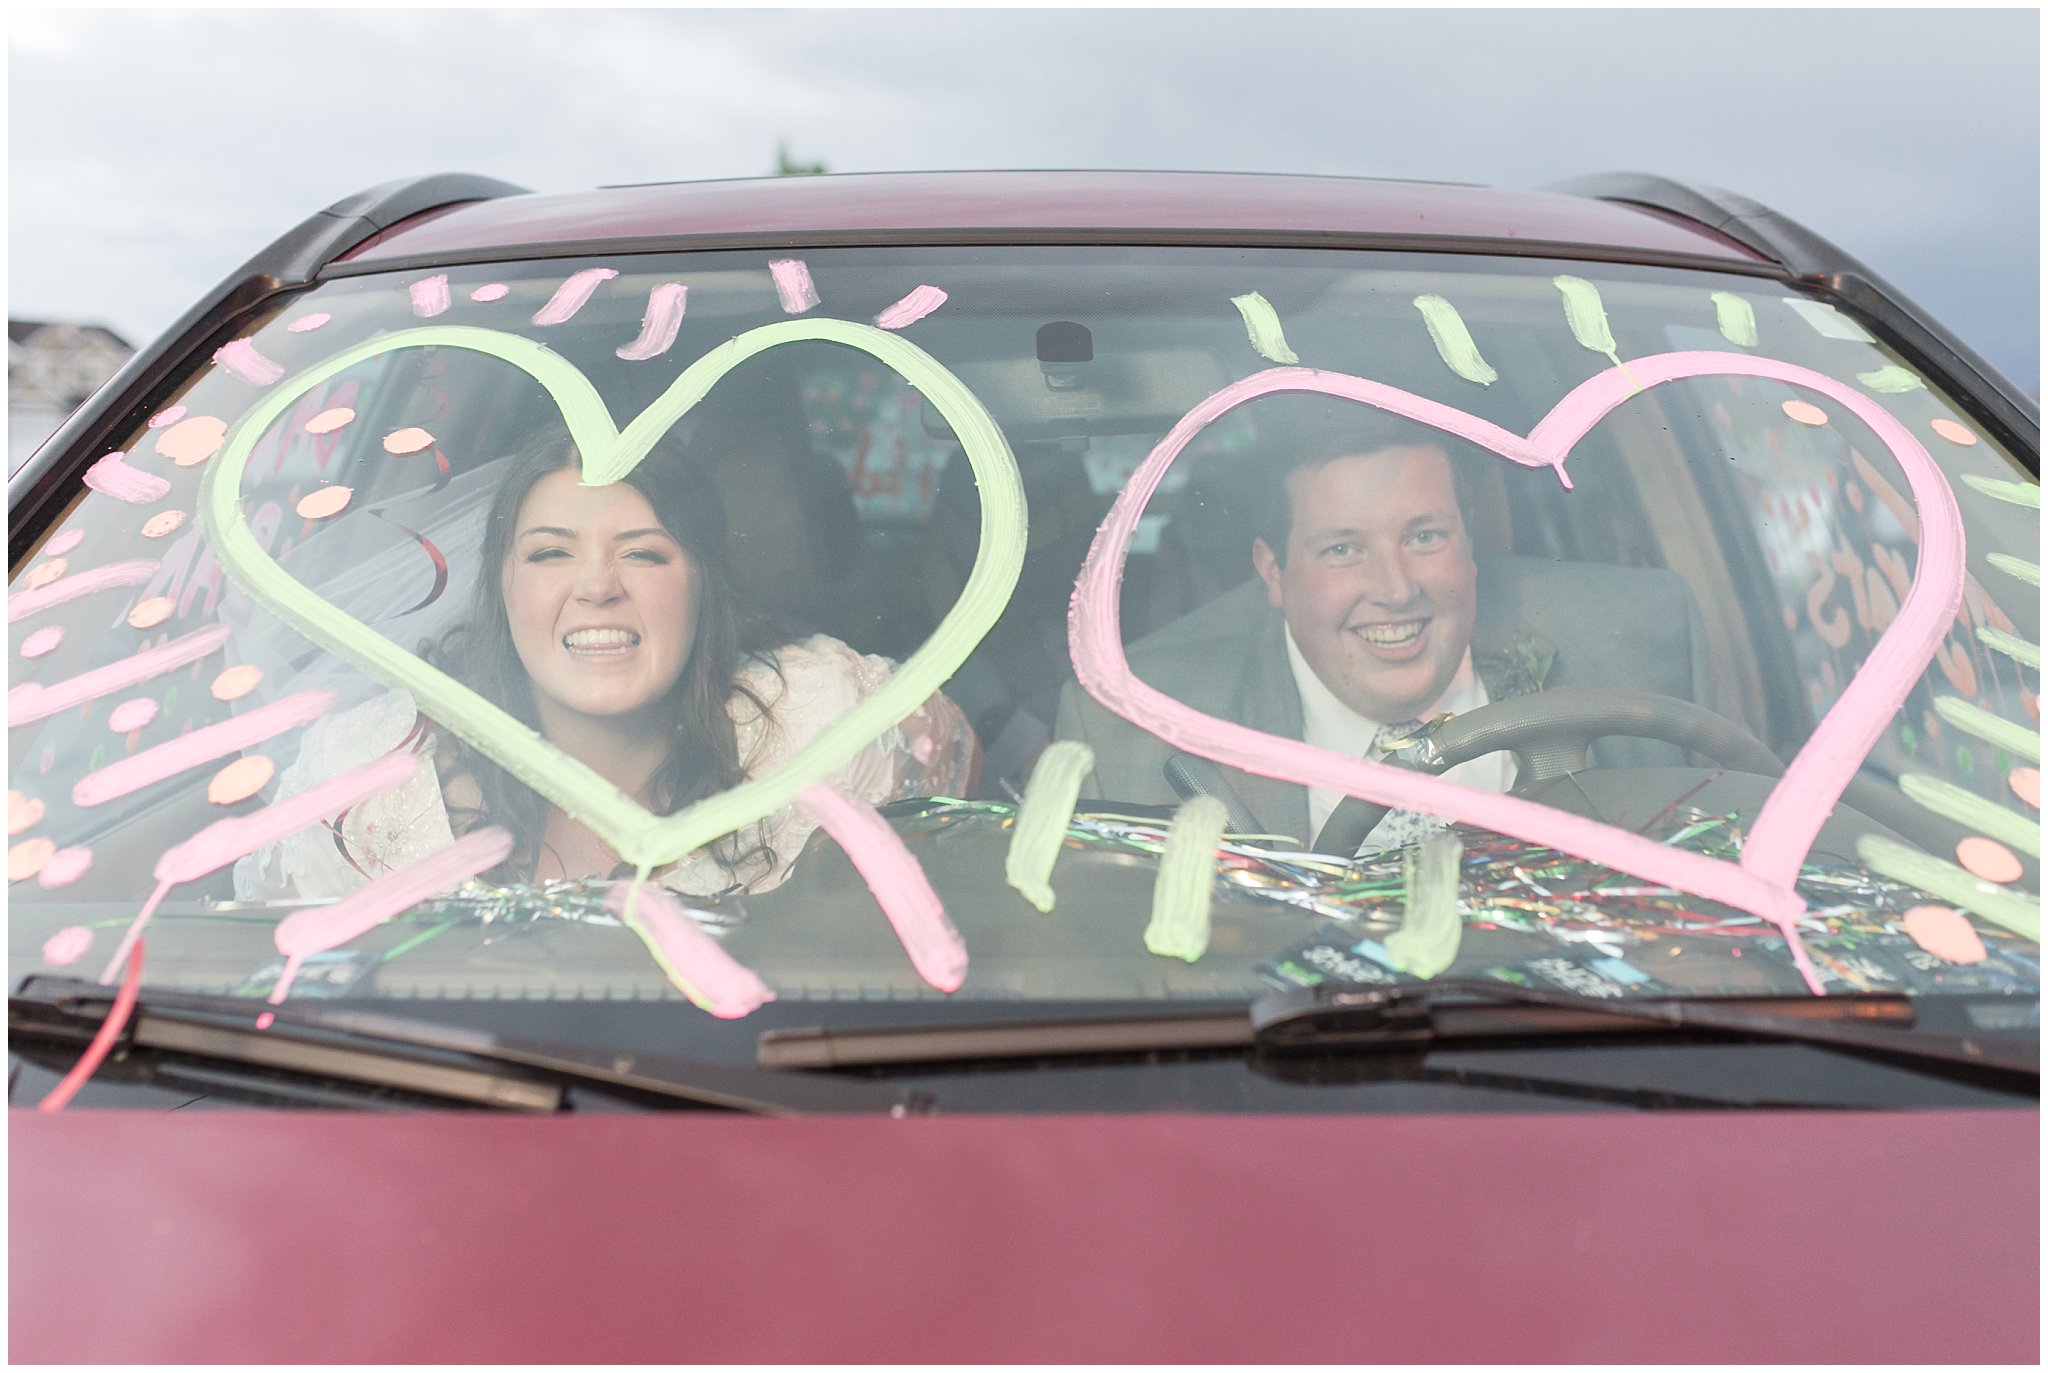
(1376, 578)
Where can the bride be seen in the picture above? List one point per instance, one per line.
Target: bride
(612, 628)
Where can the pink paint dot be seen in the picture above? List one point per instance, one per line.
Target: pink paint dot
(2026, 784)
(190, 442)
(1954, 433)
(406, 441)
(306, 324)
(236, 682)
(152, 612)
(327, 421)
(240, 780)
(163, 419)
(23, 812)
(41, 641)
(156, 526)
(67, 945)
(65, 867)
(328, 500)
(497, 290)
(48, 760)
(42, 574)
(64, 542)
(26, 859)
(1988, 859)
(131, 715)
(1805, 412)
(1945, 934)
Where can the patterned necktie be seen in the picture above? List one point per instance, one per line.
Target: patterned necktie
(1400, 828)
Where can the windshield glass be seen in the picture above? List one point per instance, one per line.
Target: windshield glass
(1014, 624)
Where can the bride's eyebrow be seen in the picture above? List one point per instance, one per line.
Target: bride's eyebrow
(558, 532)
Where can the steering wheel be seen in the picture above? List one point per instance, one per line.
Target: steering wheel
(1548, 733)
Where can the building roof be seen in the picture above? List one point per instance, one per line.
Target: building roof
(22, 330)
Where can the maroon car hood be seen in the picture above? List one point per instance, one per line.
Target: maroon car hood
(254, 1236)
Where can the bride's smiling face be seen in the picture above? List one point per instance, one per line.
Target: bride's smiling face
(601, 600)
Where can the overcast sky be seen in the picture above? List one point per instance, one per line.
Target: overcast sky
(153, 151)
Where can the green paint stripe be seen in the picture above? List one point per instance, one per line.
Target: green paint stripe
(1427, 941)
(1968, 808)
(2030, 573)
(1586, 314)
(1975, 720)
(1041, 828)
(2008, 910)
(1187, 881)
(2011, 645)
(413, 943)
(1736, 317)
(1891, 380)
(1453, 340)
(2027, 494)
(1263, 324)
(640, 838)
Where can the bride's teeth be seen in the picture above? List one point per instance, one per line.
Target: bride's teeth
(600, 638)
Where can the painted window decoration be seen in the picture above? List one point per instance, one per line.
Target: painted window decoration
(304, 705)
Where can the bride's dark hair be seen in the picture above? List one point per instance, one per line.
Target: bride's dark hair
(704, 756)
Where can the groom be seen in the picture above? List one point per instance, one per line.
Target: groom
(1372, 614)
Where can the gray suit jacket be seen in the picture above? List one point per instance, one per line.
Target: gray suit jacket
(1541, 625)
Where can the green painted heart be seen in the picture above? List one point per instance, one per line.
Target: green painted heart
(609, 453)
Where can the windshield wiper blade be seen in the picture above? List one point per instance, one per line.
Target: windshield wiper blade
(429, 1058)
(1335, 1017)
(1344, 1015)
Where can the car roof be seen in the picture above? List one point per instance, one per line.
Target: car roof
(1046, 206)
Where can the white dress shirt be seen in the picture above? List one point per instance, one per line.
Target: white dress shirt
(1328, 723)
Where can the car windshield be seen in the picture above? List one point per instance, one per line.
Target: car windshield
(1034, 624)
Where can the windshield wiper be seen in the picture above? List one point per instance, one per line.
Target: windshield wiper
(1339, 1015)
(1341, 1018)
(445, 1062)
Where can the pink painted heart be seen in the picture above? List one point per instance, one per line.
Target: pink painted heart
(1791, 817)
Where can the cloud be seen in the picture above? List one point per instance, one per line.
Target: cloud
(190, 138)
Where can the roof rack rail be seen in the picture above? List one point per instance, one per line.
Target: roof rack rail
(2010, 413)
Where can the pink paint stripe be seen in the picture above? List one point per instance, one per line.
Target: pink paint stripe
(658, 327)
(572, 295)
(226, 841)
(304, 933)
(200, 746)
(112, 476)
(109, 1031)
(429, 295)
(911, 308)
(240, 359)
(30, 702)
(21, 605)
(131, 942)
(936, 949)
(793, 284)
(708, 975)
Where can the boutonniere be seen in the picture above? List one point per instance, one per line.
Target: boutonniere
(1518, 669)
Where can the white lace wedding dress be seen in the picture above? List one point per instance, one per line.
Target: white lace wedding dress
(932, 752)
